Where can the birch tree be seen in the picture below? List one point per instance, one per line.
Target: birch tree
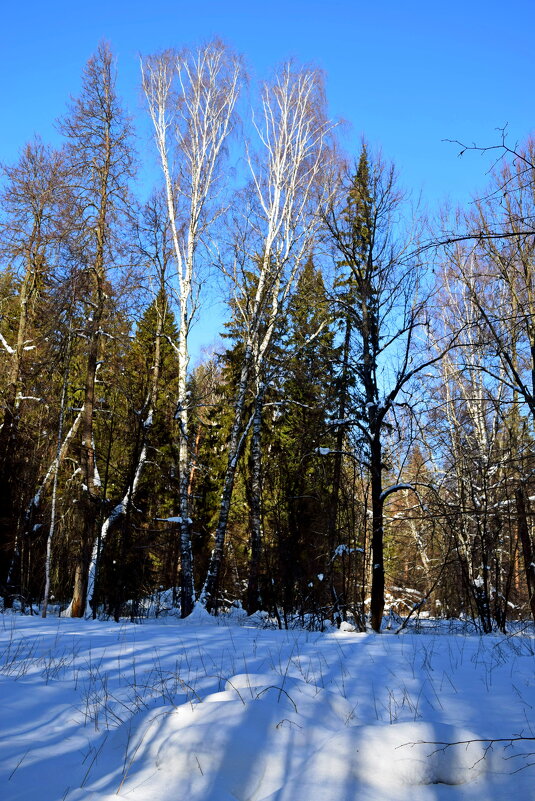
(191, 98)
(495, 270)
(497, 278)
(274, 235)
(475, 473)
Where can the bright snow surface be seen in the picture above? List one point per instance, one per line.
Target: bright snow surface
(206, 710)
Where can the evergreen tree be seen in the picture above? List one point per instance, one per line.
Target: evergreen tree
(298, 479)
(140, 487)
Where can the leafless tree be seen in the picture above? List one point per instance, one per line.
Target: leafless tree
(279, 219)
(497, 275)
(191, 97)
(29, 227)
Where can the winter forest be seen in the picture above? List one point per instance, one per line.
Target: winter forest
(358, 447)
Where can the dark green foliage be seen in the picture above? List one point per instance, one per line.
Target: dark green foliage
(297, 478)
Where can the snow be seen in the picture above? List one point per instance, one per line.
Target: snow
(224, 709)
(395, 488)
(343, 548)
(7, 347)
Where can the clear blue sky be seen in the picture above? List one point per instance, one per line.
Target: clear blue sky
(405, 73)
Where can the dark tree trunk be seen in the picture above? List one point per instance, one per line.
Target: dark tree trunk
(527, 548)
(339, 599)
(378, 569)
(253, 599)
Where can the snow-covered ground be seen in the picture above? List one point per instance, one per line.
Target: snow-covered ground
(206, 710)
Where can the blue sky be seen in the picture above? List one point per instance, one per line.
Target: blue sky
(407, 74)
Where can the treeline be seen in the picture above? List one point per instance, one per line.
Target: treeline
(363, 439)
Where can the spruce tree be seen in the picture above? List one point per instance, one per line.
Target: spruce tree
(298, 479)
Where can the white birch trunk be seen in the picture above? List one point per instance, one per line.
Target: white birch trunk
(200, 120)
(291, 185)
(119, 510)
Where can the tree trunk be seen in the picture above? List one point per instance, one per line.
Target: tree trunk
(339, 600)
(187, 592)
(254, 601)
(89, 502)
(59, 448)
(378, 570)
(208, 595)
(527, 549)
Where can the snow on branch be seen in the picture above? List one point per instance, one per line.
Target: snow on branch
(395, 488)
(7, 347)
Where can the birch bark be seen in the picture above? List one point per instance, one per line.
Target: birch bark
(191, 99)
(289, 185)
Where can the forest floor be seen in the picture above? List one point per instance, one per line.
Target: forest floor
(223, 710)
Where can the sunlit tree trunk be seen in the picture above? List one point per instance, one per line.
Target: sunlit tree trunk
(255, 514)
(290, 182)
(191, 98)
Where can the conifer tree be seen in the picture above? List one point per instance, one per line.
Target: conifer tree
(300, 484)
(145, 461)
(100, 164)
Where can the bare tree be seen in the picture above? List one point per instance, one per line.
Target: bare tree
(30, 203)
(290, 184)
(498, 277)
(191, 98)
(387, 308)
(474, 408)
